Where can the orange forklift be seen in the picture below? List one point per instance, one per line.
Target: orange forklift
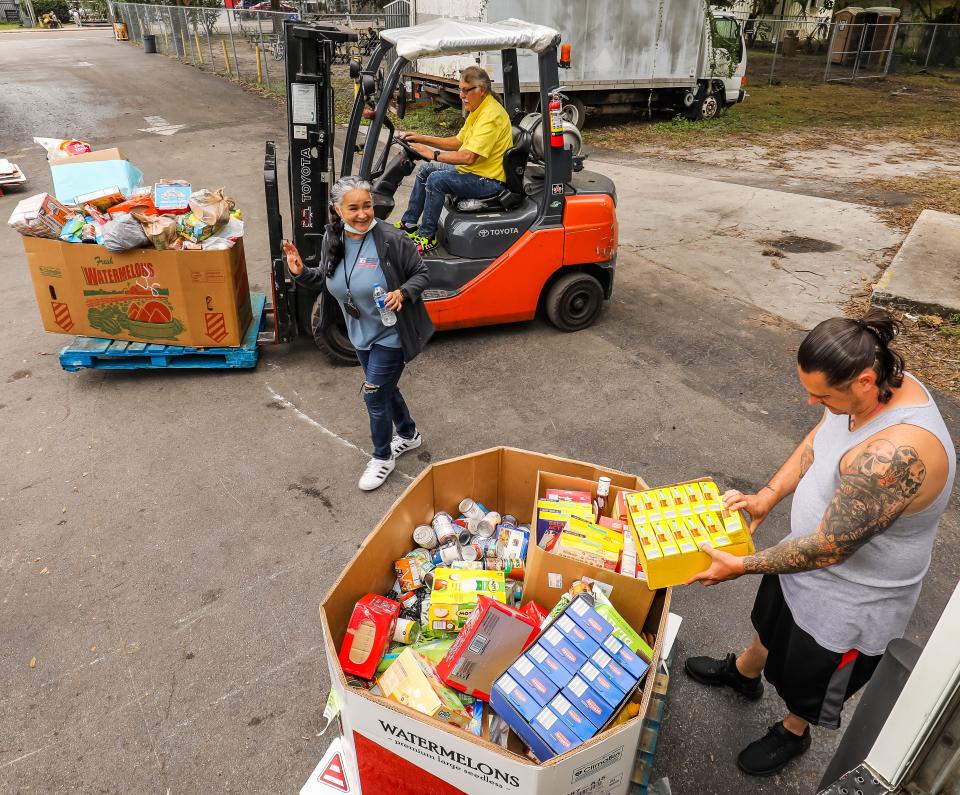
(547, 240)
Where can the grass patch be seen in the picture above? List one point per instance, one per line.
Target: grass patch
(900, 108)
(930, 344)
(932, 191)
(10, 26)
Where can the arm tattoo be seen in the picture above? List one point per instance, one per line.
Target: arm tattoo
(806, 459)
(875, 488)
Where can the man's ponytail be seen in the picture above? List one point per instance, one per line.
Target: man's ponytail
(842, 348)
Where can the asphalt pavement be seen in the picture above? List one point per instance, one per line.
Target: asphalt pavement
(167, 536)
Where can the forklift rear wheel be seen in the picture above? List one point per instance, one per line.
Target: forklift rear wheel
(574, 301)
(332, 339)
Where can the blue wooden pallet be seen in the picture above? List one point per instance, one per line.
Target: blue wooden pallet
(101, 354)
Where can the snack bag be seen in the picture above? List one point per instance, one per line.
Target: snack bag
(59, 148)
(144, 204)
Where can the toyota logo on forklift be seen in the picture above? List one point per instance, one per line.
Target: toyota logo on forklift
(527, 250)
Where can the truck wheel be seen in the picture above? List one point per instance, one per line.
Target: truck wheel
(331, 337)
(574, 301)
(574, 111)
(710, 107)
(702, 105)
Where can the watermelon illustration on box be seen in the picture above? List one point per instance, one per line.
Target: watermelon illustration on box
(194, 298)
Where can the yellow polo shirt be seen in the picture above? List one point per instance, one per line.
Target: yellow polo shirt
(487, 133)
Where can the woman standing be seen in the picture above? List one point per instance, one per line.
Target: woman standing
(358, 255)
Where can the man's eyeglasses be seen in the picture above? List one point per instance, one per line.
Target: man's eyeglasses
(465, 91)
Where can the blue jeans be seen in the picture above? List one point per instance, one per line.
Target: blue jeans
(433, 182)
(382, 368)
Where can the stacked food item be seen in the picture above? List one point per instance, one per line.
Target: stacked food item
(100, 199)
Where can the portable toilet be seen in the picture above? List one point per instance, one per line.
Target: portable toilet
(847, 35)
(881, 22)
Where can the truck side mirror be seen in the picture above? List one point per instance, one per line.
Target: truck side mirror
(354, 68)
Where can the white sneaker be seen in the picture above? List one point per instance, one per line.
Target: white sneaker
(399, 445)
(376, 472)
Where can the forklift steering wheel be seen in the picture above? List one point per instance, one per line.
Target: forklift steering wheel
(412, 153)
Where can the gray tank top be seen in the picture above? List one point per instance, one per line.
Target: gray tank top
(866, 601)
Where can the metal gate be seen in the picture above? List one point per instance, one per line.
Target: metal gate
(396, 15)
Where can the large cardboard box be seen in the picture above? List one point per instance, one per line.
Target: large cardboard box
(556, 573)
(196, 298)
(392, 749)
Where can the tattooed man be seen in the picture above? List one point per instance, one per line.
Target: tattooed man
(869, 483)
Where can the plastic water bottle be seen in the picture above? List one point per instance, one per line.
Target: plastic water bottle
(387, 316)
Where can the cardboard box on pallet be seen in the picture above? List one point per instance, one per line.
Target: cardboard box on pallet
(196, 298)
(397, 750)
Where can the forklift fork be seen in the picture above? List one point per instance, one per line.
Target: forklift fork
(281, 311)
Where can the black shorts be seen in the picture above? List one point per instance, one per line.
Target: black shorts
(813, 681)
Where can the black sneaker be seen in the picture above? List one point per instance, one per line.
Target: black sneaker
(773, 752)
(711, 671)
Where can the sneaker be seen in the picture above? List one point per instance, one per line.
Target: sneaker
(399, 445)
(376, 472)
(409, 231)
(710, 671)
(773, 752)
(425, 244)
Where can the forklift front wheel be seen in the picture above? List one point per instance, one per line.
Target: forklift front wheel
(331, 337)
(574, 301)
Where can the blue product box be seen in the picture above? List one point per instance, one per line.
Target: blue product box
(586, 700)
(507, 710)
(619, 675)
(612, 694)
(560, 737)
(596, 626)
(526, 673)
(517, 697)
(569, 714)
(562, 649)
(555, 672)
(628, 659)
(577, 634)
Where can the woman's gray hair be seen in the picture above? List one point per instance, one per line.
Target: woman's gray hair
(346, 184)
(476, 76)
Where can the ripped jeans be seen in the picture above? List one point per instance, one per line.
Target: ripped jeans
(382, 368)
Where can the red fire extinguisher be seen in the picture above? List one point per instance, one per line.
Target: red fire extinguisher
(556, 121)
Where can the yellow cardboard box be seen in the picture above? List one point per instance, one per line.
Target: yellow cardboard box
(195, 298)
(679, 537)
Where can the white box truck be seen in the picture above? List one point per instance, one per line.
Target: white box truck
(626, 54)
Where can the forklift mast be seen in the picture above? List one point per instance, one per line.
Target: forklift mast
(310, 166)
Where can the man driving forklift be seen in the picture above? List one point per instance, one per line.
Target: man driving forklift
(468, 165)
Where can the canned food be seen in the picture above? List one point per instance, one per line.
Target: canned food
(509, 519)
(464, 537)
(406, 631)
(424, 536)
(471, 510)
(485, 529)
(449, 553)
(472, 565)
(472, 552)
(443, 526)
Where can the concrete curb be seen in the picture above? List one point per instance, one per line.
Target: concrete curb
(924, 276)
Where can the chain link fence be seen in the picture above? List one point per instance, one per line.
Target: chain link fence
(797, 50)
(243, 43)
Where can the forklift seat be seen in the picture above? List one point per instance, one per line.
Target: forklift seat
(514, 166)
